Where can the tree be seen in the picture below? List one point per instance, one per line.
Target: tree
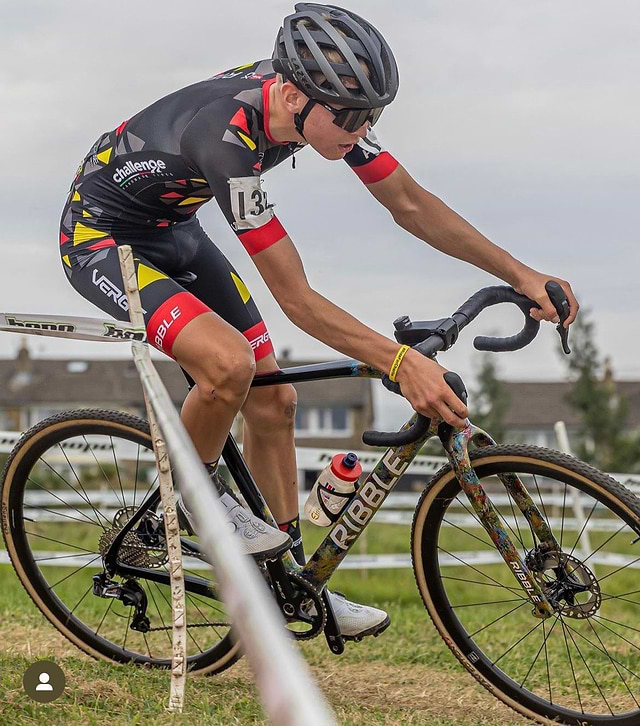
(489, 401)
(604, 439)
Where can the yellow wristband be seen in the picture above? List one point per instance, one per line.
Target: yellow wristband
(396, 362)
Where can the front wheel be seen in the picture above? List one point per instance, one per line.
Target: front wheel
(581, 666)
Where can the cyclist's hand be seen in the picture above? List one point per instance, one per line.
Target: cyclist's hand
(423, 385)
(532, 285)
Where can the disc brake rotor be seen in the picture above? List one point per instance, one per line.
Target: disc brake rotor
(569, 584)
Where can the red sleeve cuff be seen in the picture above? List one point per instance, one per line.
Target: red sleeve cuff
(256, 240)
(377, 169)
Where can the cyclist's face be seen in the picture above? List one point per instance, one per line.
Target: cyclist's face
(326, 138)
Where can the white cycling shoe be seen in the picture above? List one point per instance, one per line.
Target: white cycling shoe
(355, 620)
(259, 539)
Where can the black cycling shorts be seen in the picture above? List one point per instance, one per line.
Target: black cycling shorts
(181, 274)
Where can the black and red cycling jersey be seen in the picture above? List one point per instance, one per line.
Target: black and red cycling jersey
(155, 170)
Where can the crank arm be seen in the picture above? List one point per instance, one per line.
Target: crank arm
(331, 630)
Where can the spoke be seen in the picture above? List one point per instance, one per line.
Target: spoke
(469, 511)
(159, 613)
(126, 630)
(93, 453)
(513, 513)
(66, 516)
(606, 542)
(477, 582)
(146, 642)
(206, 602)
(546, 657)
(623, 599)
(491, 602)
(502, 517)
(564, 509)
(566, 643)
(188, 631)
(543, 646)
(66, 504)
(622, 594)
(66, 577)
(493, 622)
(593, 645)
(106, 612)
(544, 511)
(484, 542)
(86, 496)
(73, 609)
(115, 463)
(620, 675)
(475, 569)
(590, 673)
(584, 526)
(615, 632)
(633, 562)
(135, 481)
(202, 615)
(535, 627)
(57, 473)
(56, 557)
(146, 494)
(58, 541)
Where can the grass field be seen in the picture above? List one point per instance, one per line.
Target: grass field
(406, 676)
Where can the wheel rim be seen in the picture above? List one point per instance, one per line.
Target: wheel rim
(573, 664)
(78, 486)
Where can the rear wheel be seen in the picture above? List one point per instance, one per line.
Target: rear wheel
(69, 486)
(581, 666)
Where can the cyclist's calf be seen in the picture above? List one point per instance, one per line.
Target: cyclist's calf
(270, 411)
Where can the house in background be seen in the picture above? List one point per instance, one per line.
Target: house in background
(331, 414)
(534, 408)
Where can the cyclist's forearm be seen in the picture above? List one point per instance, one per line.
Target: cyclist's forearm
(434, 222)
(330, 324)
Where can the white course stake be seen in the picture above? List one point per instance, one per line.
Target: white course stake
(584, 543)
(167, 495)
(287, 690)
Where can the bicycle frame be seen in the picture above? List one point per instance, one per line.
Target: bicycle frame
(372, 493)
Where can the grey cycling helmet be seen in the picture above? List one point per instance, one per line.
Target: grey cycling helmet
(317, 27)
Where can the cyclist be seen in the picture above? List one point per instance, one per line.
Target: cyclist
(331, 75)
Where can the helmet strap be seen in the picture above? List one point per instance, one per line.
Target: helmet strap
(300, 118)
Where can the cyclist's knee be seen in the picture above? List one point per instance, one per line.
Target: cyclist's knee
(224, 374)
(270, 410)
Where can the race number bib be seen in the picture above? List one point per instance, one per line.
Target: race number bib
(249, 202)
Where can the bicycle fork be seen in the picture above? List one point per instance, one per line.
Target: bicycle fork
(456, 444)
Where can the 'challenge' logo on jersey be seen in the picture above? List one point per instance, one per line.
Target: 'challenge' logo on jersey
(133, 169)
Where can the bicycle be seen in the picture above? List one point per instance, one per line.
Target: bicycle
(532, 562)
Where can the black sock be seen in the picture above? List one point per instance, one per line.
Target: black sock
(292, 528)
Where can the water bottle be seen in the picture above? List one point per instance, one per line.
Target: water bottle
(335, 486)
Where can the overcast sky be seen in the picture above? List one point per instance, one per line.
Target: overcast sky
(523, 117)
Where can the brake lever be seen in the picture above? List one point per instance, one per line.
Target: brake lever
(561, 303)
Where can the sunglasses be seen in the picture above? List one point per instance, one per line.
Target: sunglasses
(351, 119)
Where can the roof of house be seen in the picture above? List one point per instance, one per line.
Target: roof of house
(32, 381)
(539, 404)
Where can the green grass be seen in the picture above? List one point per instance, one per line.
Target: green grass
(407, 675)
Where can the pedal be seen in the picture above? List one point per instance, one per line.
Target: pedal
(335, 641)
(375, 631)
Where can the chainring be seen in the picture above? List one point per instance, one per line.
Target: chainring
(312, 605)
